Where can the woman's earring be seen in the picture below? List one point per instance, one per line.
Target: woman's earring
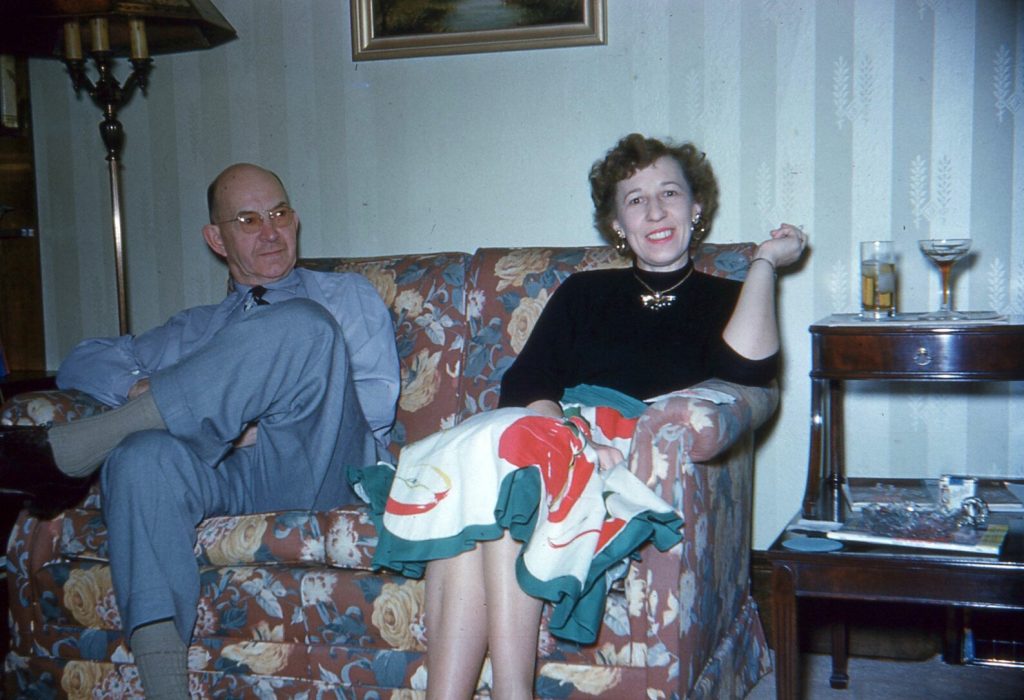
(697, 231)
(620, 245)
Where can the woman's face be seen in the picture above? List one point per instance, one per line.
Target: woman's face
(655, 209)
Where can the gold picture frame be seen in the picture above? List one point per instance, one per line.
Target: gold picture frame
(370, 41)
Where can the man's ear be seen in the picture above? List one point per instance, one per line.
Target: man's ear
(211, 234)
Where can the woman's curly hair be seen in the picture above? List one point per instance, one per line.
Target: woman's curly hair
(635, 152)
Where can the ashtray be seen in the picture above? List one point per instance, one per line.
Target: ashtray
(913, 520)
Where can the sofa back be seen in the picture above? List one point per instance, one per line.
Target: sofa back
(507, 289)
(460, 319)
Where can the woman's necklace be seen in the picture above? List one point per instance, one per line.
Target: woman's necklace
(659, 299)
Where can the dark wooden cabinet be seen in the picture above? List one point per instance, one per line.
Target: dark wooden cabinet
(21, 290)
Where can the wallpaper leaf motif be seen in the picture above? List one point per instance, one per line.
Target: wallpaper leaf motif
(1002, 82)
(841, 92)
(933, 205)
(942, 194)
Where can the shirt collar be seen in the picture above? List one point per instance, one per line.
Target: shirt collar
(289, 286)
(290, 283)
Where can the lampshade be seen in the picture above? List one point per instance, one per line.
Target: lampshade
(35, 27)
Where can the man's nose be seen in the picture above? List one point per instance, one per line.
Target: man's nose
(268, 230)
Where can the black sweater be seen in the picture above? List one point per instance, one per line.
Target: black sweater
(595, 330)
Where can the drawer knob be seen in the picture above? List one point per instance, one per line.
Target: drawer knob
(922, 358)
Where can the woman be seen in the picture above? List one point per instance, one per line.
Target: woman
(642, 331)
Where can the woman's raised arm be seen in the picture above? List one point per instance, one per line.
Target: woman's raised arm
(753, 329)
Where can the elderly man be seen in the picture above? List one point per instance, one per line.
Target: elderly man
(257, 403)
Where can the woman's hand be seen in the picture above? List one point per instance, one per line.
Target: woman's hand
(607, 455)
(786, 245)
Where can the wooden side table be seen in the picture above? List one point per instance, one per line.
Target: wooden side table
(846, 349)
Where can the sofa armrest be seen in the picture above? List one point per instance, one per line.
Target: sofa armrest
(51, 406)
(701, 423)
(695, 450)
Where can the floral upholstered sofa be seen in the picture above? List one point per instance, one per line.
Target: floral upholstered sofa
(290, 605)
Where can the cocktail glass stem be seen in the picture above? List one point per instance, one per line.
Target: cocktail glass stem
(947, 302)
(945, 252)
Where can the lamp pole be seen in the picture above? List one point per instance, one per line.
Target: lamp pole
(110, 96)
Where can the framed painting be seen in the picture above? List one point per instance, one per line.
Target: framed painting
(404, 28)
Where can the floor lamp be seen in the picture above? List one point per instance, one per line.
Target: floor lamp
(111, 29)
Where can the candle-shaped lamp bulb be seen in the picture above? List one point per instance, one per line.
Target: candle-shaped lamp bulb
(140, 48)
(100, 34)
(72, 41)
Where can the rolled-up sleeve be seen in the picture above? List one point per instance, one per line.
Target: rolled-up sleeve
(107, 368)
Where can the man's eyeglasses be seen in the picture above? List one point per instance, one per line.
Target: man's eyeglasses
(252, 221)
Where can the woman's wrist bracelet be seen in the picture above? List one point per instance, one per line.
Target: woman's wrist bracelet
(775, 272)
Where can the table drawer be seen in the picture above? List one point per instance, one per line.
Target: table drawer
(952, 355)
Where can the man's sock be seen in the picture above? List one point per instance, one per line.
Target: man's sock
(162, 660)
(79, 447)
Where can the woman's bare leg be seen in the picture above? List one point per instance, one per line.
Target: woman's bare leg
(456, 625)
(513, 618)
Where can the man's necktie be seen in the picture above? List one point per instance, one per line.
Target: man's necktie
(256, 297)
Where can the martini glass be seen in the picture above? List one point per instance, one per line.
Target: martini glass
(944, 252)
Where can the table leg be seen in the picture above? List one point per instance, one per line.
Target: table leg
(787, 643)
(840, 678)
(836, 451)
(816, 455)
(952, 640)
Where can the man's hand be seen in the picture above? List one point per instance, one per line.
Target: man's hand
(248, 436)
(138, 388)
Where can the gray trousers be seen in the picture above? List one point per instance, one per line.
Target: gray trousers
(284, 365)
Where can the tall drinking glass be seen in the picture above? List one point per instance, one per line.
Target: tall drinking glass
(877, 280)
(945, 252)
